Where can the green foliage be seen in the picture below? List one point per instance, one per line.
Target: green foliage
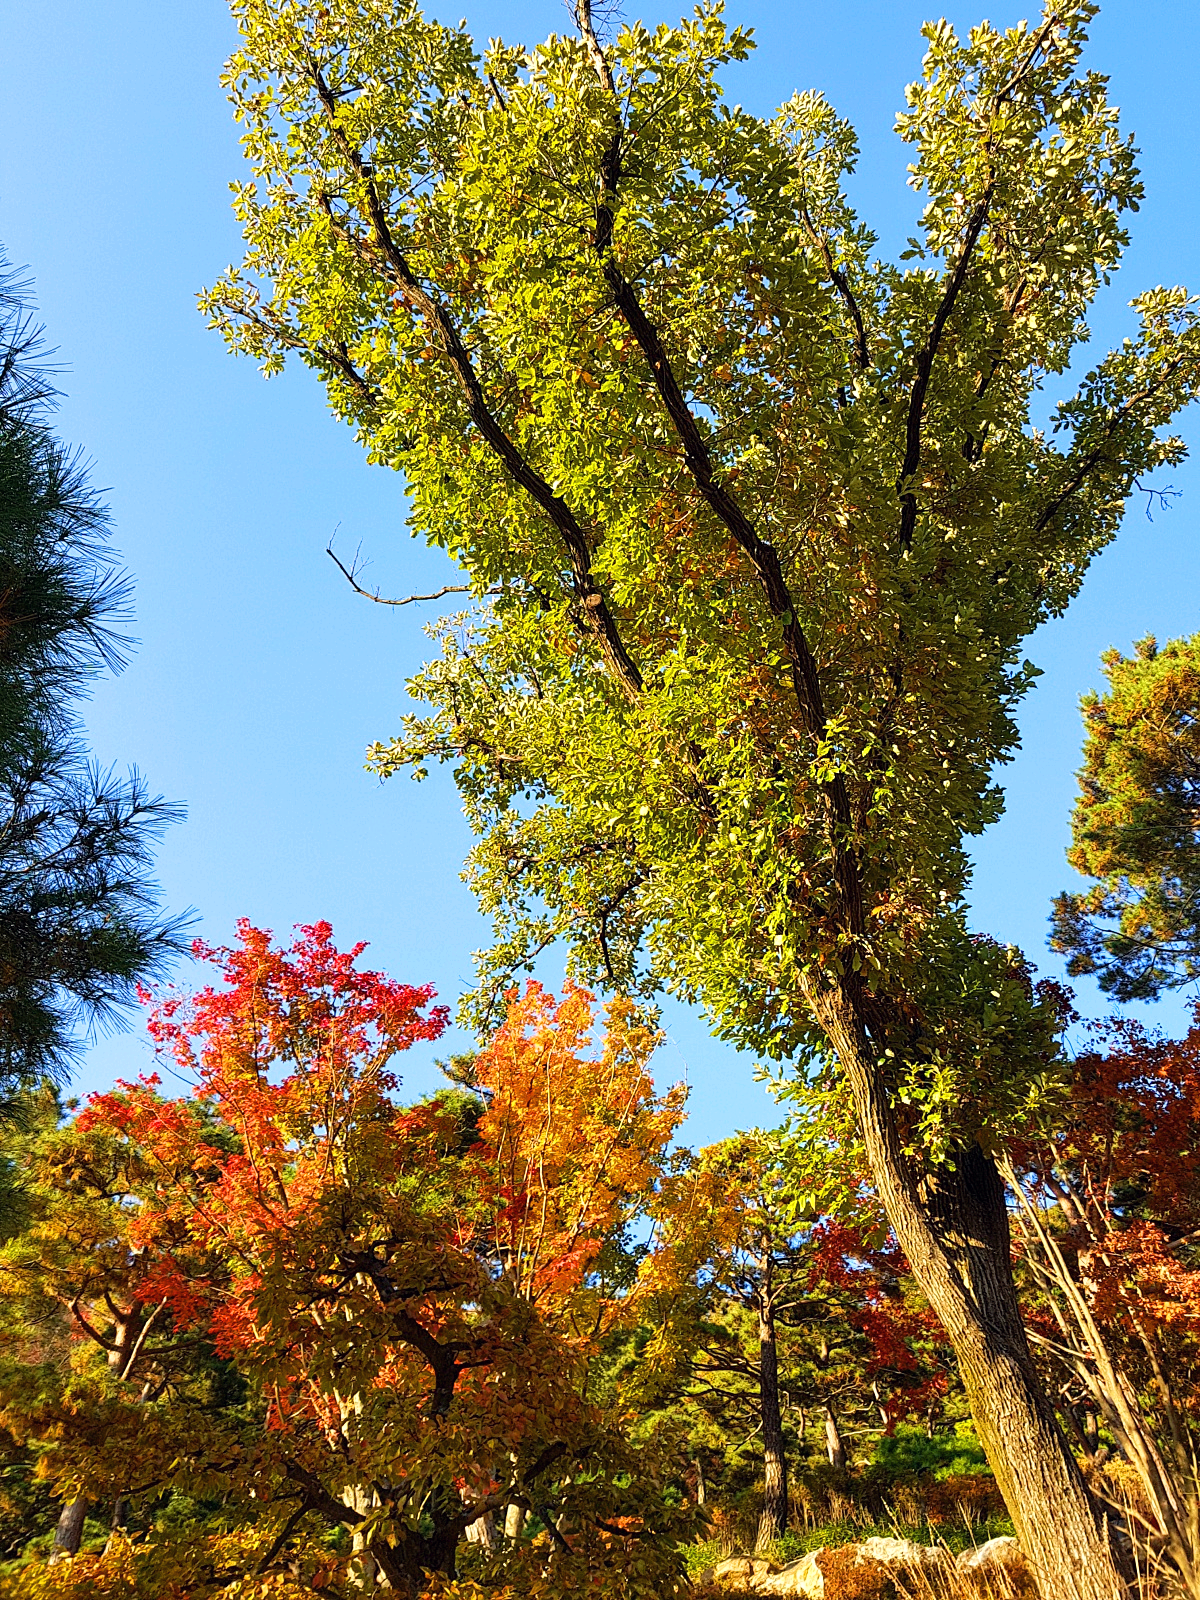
(759, 520)
(910, 1452)
(1134, 827)
(78, 925)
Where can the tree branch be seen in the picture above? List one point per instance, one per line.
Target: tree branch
(1096, 456)
(445, 333)
(924, 369)
(411, 599)
(763, 555)
(277, 1544)
(599, 61)
(842, 284)
(925, 358)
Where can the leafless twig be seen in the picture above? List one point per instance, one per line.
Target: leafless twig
(351, 575)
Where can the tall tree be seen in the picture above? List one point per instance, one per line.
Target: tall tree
(1136, 826)
(78, 921)
(763, 520)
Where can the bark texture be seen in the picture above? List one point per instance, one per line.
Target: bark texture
(835, 1449)
(953, 1226)
(69, 1532)
(773, 1521)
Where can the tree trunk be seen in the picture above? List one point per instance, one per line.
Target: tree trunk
(116, 1525)
(363, 1577)
(835, 1449)
(773, 1520)
(953, 1227)
(483, 1531)
(69, 1533)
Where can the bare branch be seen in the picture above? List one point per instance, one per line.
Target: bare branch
(599, 61)
(410, 599)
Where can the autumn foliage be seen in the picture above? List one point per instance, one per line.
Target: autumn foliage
(407, 1295)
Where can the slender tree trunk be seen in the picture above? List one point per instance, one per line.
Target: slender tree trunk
(116, 1525)
(835, 1449)
(69, 1533)
(953, 1227)
(773, 1520)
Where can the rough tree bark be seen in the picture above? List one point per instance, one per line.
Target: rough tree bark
(773, 1520)
(835, 1447)
(953, 1226)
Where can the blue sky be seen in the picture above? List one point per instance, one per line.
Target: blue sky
(259, 678)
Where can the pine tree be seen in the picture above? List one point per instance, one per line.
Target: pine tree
(79, 924)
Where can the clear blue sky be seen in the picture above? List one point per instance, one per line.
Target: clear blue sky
(259, 677)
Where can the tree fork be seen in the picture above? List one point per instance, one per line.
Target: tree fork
(444, 331)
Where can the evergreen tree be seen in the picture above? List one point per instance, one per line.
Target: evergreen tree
(78, 920)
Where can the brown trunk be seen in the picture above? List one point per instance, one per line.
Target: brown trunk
(953, 1227)
(834, 1448)
(773, 1521)
(69, 1532)
(116, 1525)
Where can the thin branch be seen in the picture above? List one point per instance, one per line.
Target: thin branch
(381, 600)
(105, 1344)
(277, 1544)
(842, 284)
(141, 1339)
(544, 1512)
(1096, 456)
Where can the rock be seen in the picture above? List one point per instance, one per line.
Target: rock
(1003, 1552)
(864, 1571)
(803, 1577)
(742, 1572)
(869, 1571)
(902, 1553)
(999, 1562)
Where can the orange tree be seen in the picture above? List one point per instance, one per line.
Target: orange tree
(93, 1356)
(411, 1300)
(762, 520)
